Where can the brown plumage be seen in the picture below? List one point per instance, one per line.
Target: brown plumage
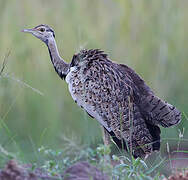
(114, 95)
(120, 100)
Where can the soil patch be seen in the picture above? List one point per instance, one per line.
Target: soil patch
(79, 171)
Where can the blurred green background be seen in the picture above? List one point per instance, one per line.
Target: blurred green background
(151, 36)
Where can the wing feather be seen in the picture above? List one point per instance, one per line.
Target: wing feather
(155, 110)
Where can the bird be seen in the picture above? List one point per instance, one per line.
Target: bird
(114, 94)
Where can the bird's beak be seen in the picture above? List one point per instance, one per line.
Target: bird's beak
(27, 30)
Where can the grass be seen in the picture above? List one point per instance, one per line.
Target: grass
(119, 166)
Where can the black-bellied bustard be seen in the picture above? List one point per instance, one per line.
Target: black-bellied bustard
(114, 94)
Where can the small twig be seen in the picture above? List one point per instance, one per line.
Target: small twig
(47, 177)
(2, 150)
(23, 83)
(6, 75)
(131, 121)
(4, 62)
(169, 155)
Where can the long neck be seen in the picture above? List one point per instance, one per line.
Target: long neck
(61, 67)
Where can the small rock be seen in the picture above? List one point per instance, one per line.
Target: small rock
(13, 171)
(79, 171)
(84, 171)
(178, 176)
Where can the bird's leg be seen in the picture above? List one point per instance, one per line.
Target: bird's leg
(106, 140)
(106, 137)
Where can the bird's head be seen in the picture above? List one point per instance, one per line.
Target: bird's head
(43, 32)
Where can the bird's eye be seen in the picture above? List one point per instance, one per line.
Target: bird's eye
(41, 29)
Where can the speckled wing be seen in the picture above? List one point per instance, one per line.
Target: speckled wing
(154, 110)
(97, 85)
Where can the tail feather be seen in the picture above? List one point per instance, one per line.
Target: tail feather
(159, 112)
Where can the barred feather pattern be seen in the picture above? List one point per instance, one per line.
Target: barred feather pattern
(119, 99)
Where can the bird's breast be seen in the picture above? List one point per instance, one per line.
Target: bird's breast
(85, 93)
(71, 74)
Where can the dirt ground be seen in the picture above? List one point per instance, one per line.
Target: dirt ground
(179, 176)
(79, 171)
